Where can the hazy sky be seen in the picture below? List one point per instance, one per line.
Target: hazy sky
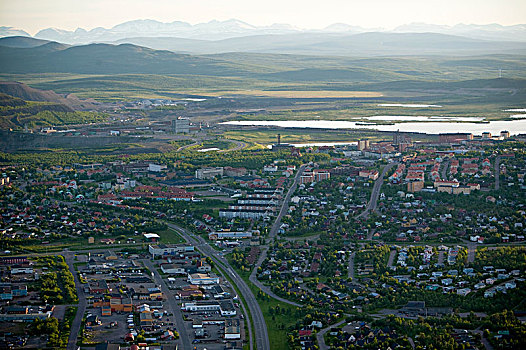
(33, 15)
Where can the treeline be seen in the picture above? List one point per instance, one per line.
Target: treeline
(501, 258)
(16, 113)
(187, 160)
(57, 117)
(57, 286)
(32, 108)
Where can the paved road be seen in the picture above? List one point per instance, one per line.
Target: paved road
(260, 327)
(239, 146)
(273, 232)
(184, 338)
(373, 201)
(472, 248)
(443, 170)
(471, 252)
(75, 326)
(441, 257)
(411, 342)
(497, 172)
(321, 340)
(350, 270)
(392, 255)
(187, 146)
(483, 339)
(285, 204)
(306, 238)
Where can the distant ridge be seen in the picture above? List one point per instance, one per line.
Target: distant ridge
(127, 58)
(234, 28)
(22, 42)
(340, 44)
(487, 32)
(106, 59)
(10, 31)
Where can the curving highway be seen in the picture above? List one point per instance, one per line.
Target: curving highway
(260, 327)
(239, 145)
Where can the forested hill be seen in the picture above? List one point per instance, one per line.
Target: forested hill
(28, 93)
(16, 113)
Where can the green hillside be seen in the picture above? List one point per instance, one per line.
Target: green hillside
(16, 113)
(113, 72)
(105, 59)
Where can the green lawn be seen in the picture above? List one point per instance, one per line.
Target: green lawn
(170, 236)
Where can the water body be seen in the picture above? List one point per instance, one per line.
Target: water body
(320, 144)
(403, 105)
(422, 118)
(518, 116)
(515, 110)
(194, 99)
(517, 126)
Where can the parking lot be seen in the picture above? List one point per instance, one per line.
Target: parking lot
(108, 332)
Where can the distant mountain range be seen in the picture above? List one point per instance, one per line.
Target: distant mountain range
(262, 56)
(10, 31)
(337, 44)
(151, 54)
(233, 28)
(486, 32)
(213, 30)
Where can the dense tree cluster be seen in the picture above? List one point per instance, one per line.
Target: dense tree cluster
(57, 286)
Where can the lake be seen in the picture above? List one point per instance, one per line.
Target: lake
(421, 118)
(405, 105)
(320, 144)
(517, 126)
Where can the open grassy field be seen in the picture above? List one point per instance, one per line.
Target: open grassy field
(170, 236)
(300, 93)
(421, 87)
(118, 87)
(266, 137)
(360, 110)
